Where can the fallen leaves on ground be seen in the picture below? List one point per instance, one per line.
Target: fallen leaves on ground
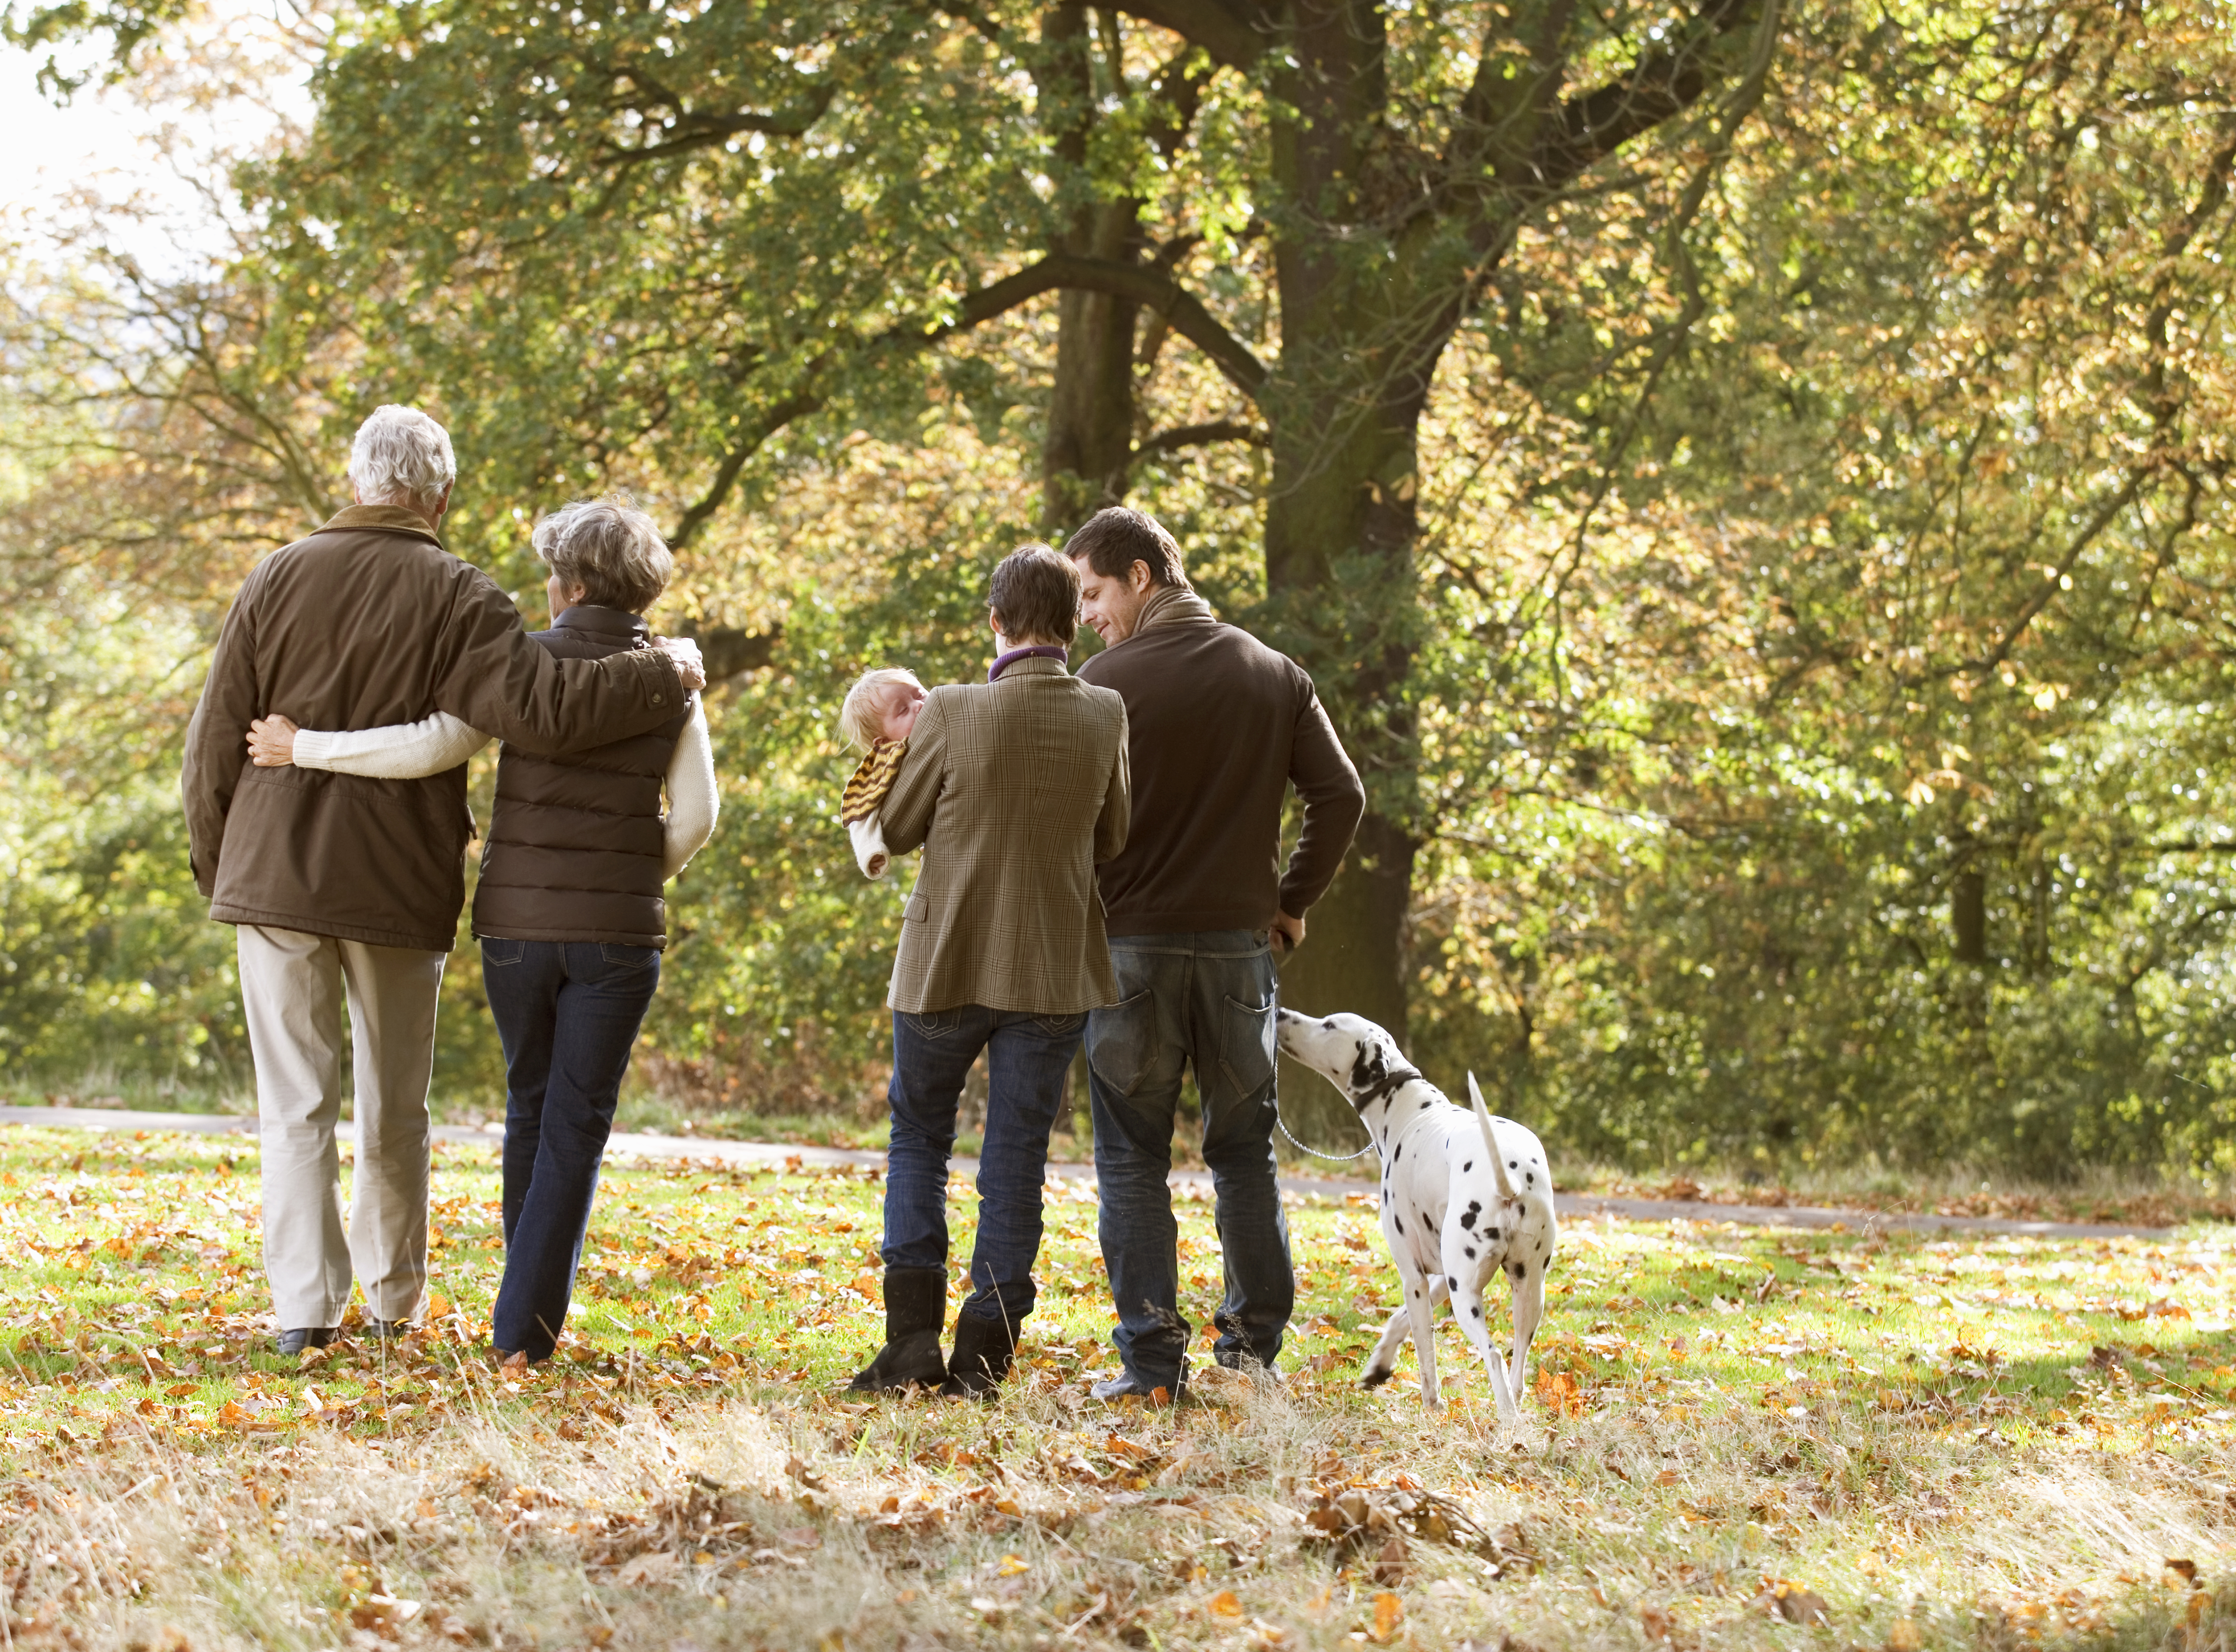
(1835, 1407)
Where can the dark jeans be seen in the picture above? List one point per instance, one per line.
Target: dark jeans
(568, 1012)
(1203, 1000)
(1027, 1057)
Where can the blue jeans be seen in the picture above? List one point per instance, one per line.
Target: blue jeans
(1027, 1057)
(1203, 1000)
(568, 1012)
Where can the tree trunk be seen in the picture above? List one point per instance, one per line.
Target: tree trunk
(1379, 245)
(1087, 447)
(1344, 408)
(1353, 960)
(1968, 904)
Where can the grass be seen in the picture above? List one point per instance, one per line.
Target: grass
(2117, 1197)
(1975, 1442)
(2127, 1197)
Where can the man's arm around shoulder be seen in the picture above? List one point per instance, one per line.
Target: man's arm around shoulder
(491, 674)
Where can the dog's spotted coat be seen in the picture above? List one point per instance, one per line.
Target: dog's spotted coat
(1450, 1225)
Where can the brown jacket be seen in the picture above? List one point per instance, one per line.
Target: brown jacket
(1016, 789)
(1222, 726)
(370, 622)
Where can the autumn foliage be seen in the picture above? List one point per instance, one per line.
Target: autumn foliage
(1787, 640)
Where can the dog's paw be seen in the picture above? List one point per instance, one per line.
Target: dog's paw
(1376, 1379)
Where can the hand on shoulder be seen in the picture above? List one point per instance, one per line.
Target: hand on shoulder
(690, 664)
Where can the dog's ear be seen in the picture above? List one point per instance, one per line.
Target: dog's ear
(1369, 1067)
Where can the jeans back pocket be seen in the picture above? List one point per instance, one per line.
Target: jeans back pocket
(1122, 1041)
(1246, 1045)
(932, 1024)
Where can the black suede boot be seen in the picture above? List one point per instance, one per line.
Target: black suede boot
(984, 1349)
(916, 1306)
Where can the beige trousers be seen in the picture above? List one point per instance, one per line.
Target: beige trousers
(292, 987)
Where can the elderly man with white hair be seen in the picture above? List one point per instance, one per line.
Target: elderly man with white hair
(345, 889)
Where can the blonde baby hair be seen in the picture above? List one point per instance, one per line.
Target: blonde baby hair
(861, 716)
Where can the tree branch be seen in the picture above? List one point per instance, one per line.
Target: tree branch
(1593, 125)
(797, 405)
(1234, 32)
(1151, 288)
(729, 652)
(689, 131)
(1179, 80)
(1144, 286)
(1217, 430)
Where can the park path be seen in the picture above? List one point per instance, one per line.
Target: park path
(708, 1150)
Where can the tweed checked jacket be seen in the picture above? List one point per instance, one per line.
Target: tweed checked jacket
(1016, 789)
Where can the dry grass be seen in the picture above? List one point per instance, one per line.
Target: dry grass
(1967, 1443)
(807, 1523)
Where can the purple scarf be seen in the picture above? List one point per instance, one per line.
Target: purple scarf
(1035, 651)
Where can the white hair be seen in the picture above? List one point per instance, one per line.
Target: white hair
(402, 456)
(862, 715)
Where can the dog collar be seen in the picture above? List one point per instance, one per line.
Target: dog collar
(1389, 1085)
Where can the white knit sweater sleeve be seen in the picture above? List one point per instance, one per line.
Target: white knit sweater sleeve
(868, 838)
(692, 802)
(397, 752)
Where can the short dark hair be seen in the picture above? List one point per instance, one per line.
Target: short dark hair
(1034, 596)
(1116, 538)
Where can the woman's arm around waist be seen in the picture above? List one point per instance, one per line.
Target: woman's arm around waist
(434, 745)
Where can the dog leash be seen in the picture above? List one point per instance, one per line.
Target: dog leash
(1333, 1158)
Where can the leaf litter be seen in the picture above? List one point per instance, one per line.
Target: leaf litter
(1836, 1434)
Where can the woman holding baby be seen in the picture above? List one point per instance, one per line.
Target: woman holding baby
(1015, 788)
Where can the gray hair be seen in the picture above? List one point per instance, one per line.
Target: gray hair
(609, 548)
(402, 456)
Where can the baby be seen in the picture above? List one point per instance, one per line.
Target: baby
(879, 712)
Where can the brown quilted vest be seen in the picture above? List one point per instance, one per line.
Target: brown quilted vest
(574, 845)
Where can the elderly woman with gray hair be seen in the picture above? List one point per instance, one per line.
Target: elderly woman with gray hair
(568, 908)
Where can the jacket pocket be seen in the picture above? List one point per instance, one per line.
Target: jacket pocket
(918, 910)
(1246, 1045)
(1122, 1041)
(496, 954)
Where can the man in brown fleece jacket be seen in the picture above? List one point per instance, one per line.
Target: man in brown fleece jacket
(1220, 727)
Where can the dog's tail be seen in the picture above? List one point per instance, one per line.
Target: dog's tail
(1489, 1141)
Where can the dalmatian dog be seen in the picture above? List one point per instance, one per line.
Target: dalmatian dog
(1463, 1197)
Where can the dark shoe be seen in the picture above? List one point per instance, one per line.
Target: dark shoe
(386, 1328)
(1127, 1386)
(311, 1337)
(984, 1349)
(916, 1306)
(1249, 1364)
